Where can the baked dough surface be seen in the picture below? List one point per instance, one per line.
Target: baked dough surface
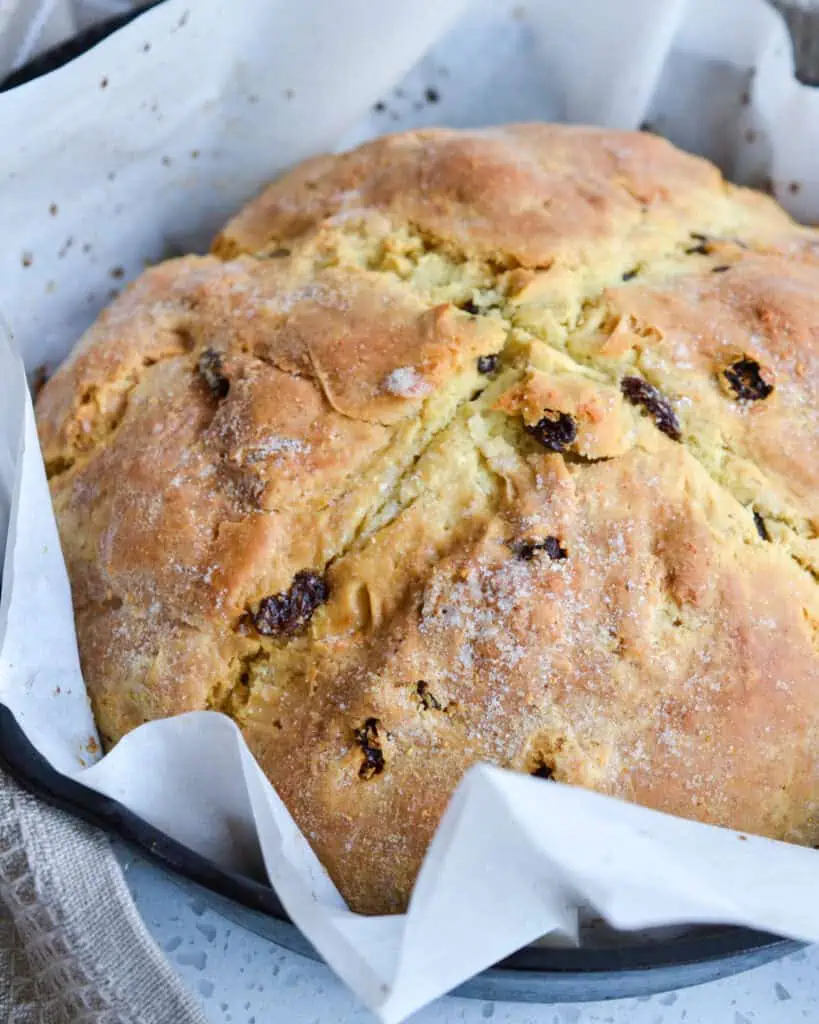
(494, 446)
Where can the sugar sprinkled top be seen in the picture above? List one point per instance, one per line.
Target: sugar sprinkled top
(275, 446)
(406, 382)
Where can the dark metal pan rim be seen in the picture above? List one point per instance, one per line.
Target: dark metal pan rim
(24, 763)
(64, 53)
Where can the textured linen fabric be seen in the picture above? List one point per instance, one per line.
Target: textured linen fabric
(72, 944)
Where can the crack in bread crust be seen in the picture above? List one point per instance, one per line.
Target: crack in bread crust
(400, 249)
(99, 424)
(420, 349)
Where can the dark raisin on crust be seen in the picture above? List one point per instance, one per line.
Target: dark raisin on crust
(366, 736)
(761, 528)
(555, 430)
(288, 613)
(640, 392)
(721, 268)
(211, 369)
(543, 771)
(526, 550)
(428, 701)
(631, 274)
(703, 246)
(278, 254)
(488, 364)
(470, 307)
(746, 381)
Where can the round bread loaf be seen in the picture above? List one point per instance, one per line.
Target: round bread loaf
(493, 446)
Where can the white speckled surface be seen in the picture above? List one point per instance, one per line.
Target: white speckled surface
(242, 979)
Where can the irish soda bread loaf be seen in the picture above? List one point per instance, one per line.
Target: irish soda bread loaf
(499, 446)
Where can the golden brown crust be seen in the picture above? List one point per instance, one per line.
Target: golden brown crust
(523, 195)
(293, 484)
(687, 333)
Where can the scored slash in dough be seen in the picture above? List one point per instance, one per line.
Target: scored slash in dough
(525, 561)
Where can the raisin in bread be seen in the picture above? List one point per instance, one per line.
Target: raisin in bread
(493, 446)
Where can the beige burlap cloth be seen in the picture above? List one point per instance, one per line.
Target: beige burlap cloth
(73, 947)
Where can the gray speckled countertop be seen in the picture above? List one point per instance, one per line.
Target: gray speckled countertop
(243, 979)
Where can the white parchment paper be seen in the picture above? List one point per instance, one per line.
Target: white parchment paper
(142, 148)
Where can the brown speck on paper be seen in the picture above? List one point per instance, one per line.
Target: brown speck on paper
(38, 382)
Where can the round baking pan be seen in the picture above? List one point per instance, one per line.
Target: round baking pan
(74, 47)
(533, 974)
